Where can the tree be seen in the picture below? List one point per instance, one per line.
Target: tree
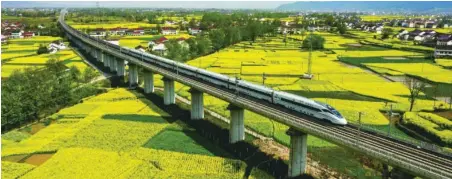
(386, 32)
(217, 38)
(254, 29)
(317, 42)
(88, 75)
(159, 29)
(302, 33)
(341, 28)
(175, 51)
(415, 87)
(42, 49)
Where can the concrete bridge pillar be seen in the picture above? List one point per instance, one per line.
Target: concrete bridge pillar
(104, 59)
(298, 152)
(168, 91)
(93, 52)
(197, 104)
(148, 81)
(113, 64)
(133, 74)
(98, 55)
(237, 130)
(120, 67)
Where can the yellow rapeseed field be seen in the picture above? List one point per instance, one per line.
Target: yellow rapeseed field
(122, 25)
(423, 70)
(11, 170)
(444, 62)
(103, 137)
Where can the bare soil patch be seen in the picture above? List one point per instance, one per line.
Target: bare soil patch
(394, 58)
(38, 159)
(354, 45)
(445, 114)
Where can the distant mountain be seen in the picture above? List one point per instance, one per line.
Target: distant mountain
(370, 6)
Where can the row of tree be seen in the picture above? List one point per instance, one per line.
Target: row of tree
(29, 95)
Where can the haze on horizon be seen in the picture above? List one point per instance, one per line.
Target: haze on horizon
(147, 4)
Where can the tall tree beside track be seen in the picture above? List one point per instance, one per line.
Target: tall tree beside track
(415, 87)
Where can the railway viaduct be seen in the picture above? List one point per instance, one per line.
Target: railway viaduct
(412, 159)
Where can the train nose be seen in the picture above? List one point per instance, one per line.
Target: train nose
(343, 121)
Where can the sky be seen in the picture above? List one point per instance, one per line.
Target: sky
(149, 4)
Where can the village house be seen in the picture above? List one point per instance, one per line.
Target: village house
(168, 23)
(158, 45)
(194, 31)
(4, 39)
(169, 31)
(99, 32)
(431, 25)
(444, 46)
(138, 31)
(16, 34)
(182, 42)
(419, 25)
(401, 33)
(117, 31)
(28, 34)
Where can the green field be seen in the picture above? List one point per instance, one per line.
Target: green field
(118, 134)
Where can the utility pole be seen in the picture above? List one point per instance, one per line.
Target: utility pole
(390, 120)
(359, 126)
(264, 77)
(310, 54)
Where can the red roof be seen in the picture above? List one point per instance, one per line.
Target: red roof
(139, 29)
(160, 40)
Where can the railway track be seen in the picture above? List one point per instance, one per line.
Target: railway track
(408, 157)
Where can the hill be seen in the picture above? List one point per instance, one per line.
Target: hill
(370, 6)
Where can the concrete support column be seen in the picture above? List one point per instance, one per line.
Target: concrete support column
(168, 92)
(120, 67)
(99, 55)
(298, 152)
(133, 74)
(197, 104)
(96, 53)
(237, 130)
(113, 64)
(104, 59)
(148, 81)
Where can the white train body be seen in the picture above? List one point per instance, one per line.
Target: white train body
(290, 101)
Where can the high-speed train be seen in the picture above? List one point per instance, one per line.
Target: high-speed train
(293, 102)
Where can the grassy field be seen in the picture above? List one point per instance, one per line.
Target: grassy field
(118, 134)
